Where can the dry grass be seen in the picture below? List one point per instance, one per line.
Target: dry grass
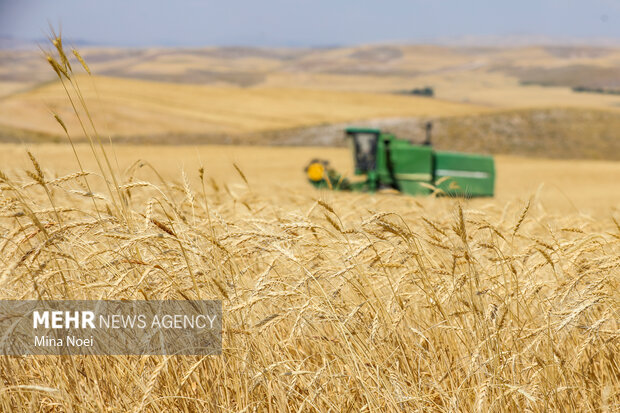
(332, 301)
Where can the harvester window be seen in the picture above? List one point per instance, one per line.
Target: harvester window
(365, 145)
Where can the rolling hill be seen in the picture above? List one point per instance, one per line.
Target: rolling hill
(139, 108)
(507, 99)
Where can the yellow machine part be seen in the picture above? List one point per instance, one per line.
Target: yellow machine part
(315, 171)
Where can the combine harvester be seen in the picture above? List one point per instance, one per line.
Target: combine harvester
(414, 169)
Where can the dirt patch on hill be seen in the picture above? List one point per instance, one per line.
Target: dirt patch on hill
(570, 76)
(378, 54)
(549, 133)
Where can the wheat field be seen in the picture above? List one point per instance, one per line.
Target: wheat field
(333, 301)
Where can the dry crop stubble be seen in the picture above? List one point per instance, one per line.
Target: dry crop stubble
(332, 301)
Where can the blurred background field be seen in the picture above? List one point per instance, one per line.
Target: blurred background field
(518, 102)
(511, 100)
(562, 186)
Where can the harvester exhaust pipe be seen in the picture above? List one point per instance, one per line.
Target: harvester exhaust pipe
(429, 128)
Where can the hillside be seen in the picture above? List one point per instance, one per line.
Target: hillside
(560, 133)
(141, 108)
(521, 96)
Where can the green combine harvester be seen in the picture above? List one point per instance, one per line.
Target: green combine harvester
(414, 169)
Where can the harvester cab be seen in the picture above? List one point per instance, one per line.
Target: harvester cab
(364, 145)
(414, 169)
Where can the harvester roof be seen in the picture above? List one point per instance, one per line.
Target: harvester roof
(362, 130)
